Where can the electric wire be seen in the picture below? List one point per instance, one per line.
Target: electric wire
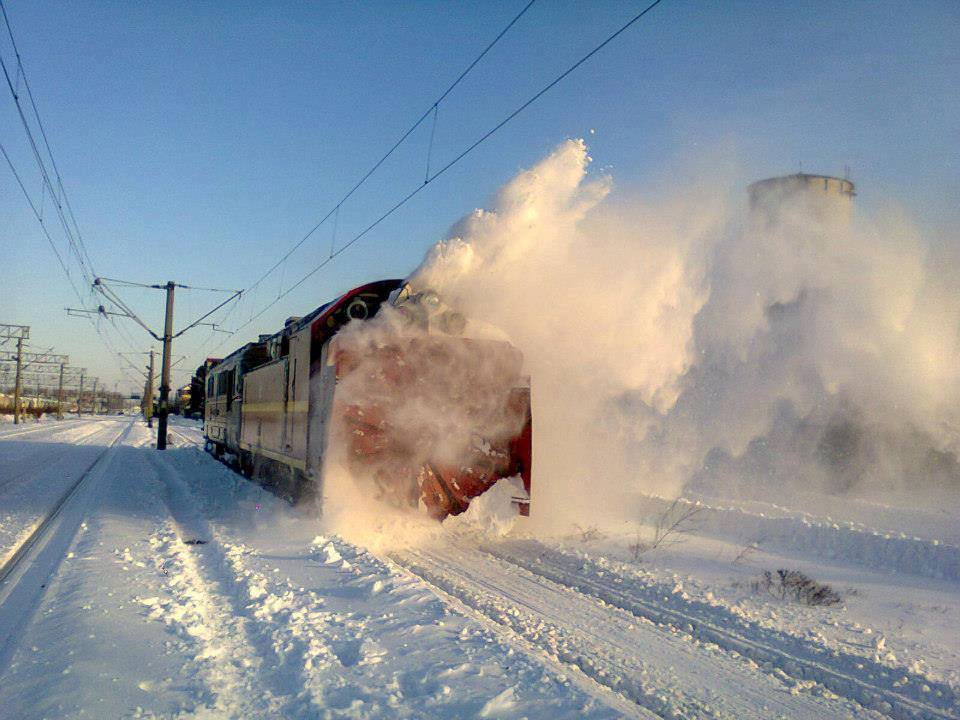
(43, 132)
(76, 244)
(486, 136)
(43, 227)
(376, 166)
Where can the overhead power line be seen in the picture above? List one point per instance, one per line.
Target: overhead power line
(77, 244)
(58, 193)
(430, 178)
(430, 110)
(43, 227)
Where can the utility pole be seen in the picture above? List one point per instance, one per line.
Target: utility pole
(80, 397)
(16, 387)
(163, 410)
(102, 285)
(148, 394)
(60, 395)
(93, 401)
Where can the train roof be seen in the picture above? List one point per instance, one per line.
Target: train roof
(379, 287)
(317, 317)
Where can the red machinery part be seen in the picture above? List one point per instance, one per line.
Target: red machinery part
(425, 460)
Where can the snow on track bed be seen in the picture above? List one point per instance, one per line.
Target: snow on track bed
(895, 691)
(30, 428)
(29, 565)
(212, 609)
(36, 457)
(825, 538)
(27, 494)
(343, 634)
(663, 669)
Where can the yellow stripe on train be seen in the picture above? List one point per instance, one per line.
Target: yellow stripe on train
(299, 406)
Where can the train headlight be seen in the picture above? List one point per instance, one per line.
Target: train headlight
(358, 310)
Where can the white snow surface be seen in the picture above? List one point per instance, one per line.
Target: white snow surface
(170, 587)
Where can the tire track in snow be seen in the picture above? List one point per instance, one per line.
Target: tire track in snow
(667, 673)
(209, 605)
(893, 691)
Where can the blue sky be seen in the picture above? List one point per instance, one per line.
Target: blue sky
(198, 141)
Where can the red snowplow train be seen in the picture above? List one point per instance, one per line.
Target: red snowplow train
(428, 419)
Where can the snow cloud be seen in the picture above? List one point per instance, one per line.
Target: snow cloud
(688, 342)
(692, 343)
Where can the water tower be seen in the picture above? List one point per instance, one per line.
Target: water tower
(828, 198)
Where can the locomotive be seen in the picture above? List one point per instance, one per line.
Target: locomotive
(425, 418)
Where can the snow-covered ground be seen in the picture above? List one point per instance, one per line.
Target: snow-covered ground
(168, 586)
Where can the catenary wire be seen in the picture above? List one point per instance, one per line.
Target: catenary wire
(393, 148)
(409, 196)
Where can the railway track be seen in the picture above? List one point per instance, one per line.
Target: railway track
(657, 671)
(60, 425)
(15, 561)
(566, 610)
(42, 451)
(893, 691)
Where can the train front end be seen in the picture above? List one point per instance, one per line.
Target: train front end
(427, 417)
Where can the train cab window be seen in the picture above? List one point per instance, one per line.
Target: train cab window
(229, 377)
(210, 386)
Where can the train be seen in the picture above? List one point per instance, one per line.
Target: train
(426, 418)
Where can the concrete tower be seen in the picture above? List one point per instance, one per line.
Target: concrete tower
(830, 199)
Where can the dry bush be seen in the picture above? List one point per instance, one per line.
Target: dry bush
(794, 585)
(588, 534)
(671, 525)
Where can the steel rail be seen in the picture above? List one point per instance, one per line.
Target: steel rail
(40, 530)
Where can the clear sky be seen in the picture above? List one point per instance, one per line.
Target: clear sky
(198, 141)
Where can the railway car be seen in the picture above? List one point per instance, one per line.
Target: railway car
(198, 388)
(224, 397)
(284, 406)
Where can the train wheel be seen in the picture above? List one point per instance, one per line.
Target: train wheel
(246, 464)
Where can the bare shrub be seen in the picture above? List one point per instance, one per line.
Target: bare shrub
(670, 527)
(588, 534)
(794, 585)
(745, 552)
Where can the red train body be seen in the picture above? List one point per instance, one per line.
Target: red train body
(423, 419)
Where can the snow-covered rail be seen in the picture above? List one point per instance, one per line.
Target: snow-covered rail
(17, 556)
(42, 457)
(663, 670)
(892, 691)
(51, 427)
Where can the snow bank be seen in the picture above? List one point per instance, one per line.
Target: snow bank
(842, 542)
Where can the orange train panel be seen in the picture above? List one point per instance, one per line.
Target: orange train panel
(412, 459)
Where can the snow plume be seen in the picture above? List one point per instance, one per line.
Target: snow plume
(826, 361)
(408, 399)
(601, 298)
(685, 343)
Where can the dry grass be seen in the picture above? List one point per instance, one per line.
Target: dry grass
(794, 585)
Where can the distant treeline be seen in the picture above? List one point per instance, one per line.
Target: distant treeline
(6, 408)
